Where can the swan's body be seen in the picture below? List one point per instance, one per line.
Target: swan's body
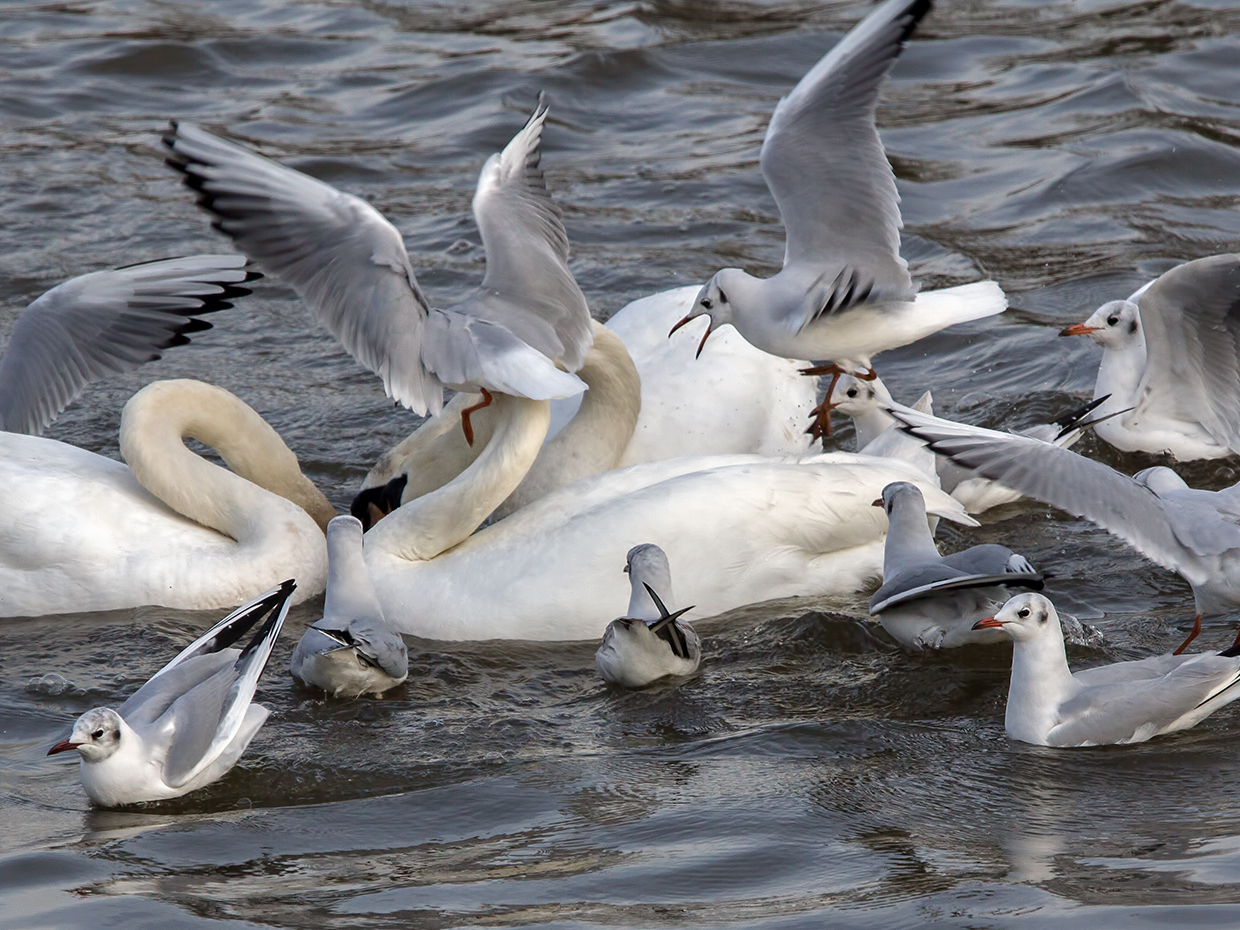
(741, 528)
(85, 533)
(648, 643)
(1171, 362)
(1127, 702)
(188, 725)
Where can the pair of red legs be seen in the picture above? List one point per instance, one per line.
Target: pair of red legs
(820, 427)
(1193, 635)
(465, 414)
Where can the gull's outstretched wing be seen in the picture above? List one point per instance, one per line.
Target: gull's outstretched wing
(941, 579)
(105, 323)
(203, 721)
(528, 287)
(1191, 320)
(1084, 488)
(337, 251)
(826, 167)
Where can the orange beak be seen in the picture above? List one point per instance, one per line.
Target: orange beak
(990, 623)
(63, 746)
(1078, 329)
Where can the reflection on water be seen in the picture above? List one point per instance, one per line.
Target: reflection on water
(812, 774)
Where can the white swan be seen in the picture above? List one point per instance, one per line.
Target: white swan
(744, 528)
(649, 399)
(86, 533)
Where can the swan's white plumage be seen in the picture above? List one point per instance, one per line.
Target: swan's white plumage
(81, 533)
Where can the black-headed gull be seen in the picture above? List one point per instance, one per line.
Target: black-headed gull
(844, 293)
(648, 642)
(188, 725)
(352, 650)
(1126, 702)
(1171, 361)
(1195, 533)
(932, 601)
(105, 323)
(350, 265)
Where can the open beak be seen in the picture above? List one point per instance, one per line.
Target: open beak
(626, 568)
(990, 623)
(680, 324)
(706, 335)
(63, 746)
(1078, 329)
(877, 503)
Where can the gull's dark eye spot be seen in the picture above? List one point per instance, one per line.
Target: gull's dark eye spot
(706, 302)
(98, 734)
(1024, 612)
(1112, 320)
(1042, 619)
(1132, 327)
(722, 296)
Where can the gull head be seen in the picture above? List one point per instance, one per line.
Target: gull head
(1023, 618)
(96, 735)
(901, 493)
(711, 302)
(1113, 325)
(1160, 479)
(647, 568)
(855, 397)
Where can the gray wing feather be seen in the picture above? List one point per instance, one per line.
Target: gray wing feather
(377, 642)
(528, 287)
(1080, 486)
(986, 559)
(106, 323)
(919, 583)
(827, 169)
(338, 252)
(1116, 712)
(1191, 320)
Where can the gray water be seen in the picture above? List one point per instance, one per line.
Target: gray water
(812, 775)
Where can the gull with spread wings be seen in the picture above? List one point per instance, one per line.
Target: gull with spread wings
(350, 265)
(844, 293)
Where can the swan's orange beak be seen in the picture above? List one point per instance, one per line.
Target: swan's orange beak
(1078, 329)
(63, 746)
(990, 623)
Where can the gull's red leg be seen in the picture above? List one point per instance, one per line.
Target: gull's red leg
(465, 424)
(1193, 635)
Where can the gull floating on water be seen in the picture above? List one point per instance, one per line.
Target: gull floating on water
(106, 323)
(352, 650)
(188, 725)
(844, 293)
(1195, 533)
(931, 601)
(648, 642)
(1127, 702)
(1171, 360)
(350, 265)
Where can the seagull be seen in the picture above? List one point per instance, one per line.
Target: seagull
(929, 601)
(1171, 354)
(648, 643)
(352, 650)
(1193, 532)
(1127, 702)
(869, 404)
(844, 293)
(106, 323)
(350, 265)
(188, 725)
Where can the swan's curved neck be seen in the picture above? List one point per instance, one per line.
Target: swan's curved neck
(155, 423)
(595, 438)
(424, 528)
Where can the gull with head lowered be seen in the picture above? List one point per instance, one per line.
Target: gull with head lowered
(844, 293)
(1126, 702)
(350, 265)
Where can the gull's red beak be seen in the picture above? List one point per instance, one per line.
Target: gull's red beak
(706, 335)
(877, 503)
(990, 623)
(1078, 329)
(63, 746)
(680, 324)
